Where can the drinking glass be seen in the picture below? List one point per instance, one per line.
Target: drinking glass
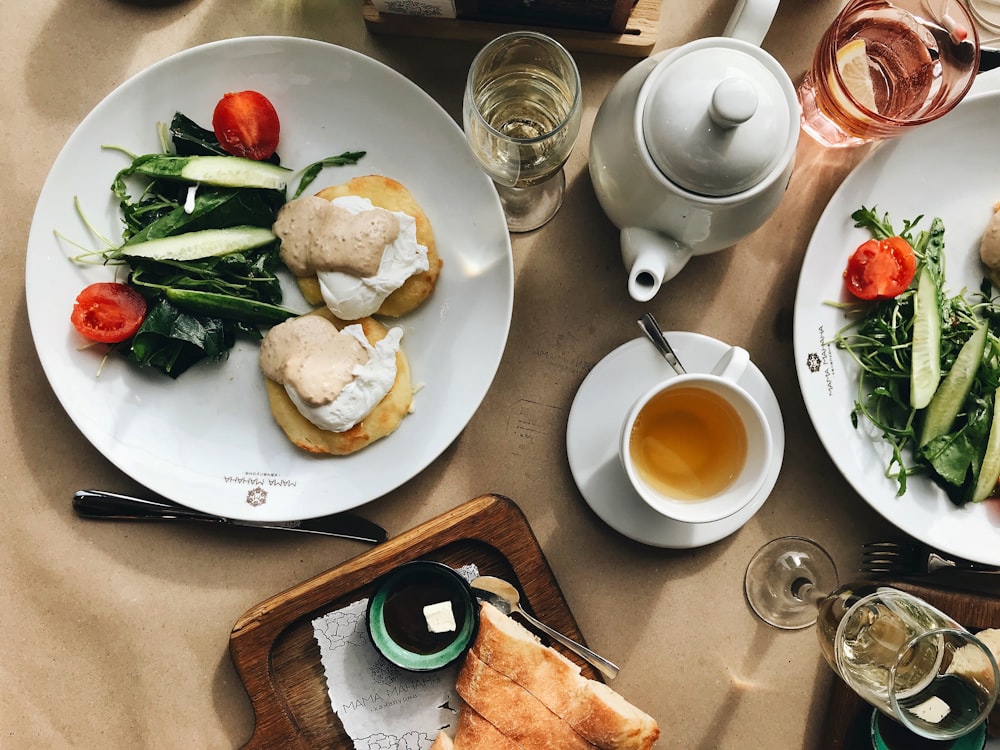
(521, 111)
(884, 66)
(897, 652)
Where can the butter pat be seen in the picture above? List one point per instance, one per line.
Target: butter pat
(440, 618)
(931, 710)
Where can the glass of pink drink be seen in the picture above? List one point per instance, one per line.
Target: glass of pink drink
(884, 66)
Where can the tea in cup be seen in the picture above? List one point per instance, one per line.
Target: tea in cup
(697, 447)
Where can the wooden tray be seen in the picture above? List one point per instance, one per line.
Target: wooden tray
(277, 657)
(848, 717)
(637, 40)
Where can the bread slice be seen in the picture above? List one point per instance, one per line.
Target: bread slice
(513, 710)
(475, 733)
(595, 712)
(442, 742)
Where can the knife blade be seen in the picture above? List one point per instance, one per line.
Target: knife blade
(989, 59)
(112, 506)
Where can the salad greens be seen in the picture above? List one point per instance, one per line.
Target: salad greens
(880, 338)
(198, 305)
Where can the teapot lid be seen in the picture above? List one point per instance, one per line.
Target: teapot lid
(717, 118)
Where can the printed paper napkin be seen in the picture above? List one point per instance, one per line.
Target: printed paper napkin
(381, 706)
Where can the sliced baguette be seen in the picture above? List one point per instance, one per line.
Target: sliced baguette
(442, 742)
(594, 711)
(475, 733)
(513, 710)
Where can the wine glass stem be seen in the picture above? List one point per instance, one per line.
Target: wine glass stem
(805, 590)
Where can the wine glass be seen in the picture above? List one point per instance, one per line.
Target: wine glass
(900, 654)
(521, 111)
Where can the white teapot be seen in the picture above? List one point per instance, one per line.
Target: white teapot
(693, 148)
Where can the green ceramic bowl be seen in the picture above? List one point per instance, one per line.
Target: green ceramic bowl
(397, 624)
(887, 734)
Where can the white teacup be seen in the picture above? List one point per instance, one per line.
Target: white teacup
(697, 447)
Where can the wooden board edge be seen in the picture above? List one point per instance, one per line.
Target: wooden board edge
(638, 40)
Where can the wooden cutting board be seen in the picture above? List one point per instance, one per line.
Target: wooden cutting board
(638, 39)
(848, 716)
(276, 655)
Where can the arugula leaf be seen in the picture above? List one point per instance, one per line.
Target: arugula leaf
(311, 172)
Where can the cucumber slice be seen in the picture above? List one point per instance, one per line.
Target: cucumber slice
(233, 171)
(224, 171)
(925, 371)
(950, 395)
(206, 243)
(226, 306)
(989, 470)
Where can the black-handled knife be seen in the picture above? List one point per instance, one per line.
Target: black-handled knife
(111, 506)
(989, 59)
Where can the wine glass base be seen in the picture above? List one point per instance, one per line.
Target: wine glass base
(785, 580)
(529, 208)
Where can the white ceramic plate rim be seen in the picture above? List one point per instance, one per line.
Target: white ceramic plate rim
(948, 168)
(594, 426)
(208, 440)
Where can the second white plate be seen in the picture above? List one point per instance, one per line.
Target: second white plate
(951, 169)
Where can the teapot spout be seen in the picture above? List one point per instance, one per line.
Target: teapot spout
(651, 259)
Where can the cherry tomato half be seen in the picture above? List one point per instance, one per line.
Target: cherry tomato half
(880, 269)
(108, 312)
(246, 125)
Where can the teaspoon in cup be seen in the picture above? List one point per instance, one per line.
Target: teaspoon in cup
(504, 597)
(654, 333)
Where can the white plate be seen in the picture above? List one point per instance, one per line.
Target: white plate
(595, 423)
(207, 440)
(949, 168)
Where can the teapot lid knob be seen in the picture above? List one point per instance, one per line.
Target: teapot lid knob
(734, 101)
(717, 117)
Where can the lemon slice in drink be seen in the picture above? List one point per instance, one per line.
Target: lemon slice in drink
(852, 63)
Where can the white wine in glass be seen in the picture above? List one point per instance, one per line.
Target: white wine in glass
(900, 654)
(521, 112)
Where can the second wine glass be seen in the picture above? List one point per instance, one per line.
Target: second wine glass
(521, 113)
(900, 654)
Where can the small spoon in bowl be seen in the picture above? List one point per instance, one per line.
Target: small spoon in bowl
(654, 333)
(504, 597)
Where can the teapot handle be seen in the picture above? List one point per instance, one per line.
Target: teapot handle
(750, 20)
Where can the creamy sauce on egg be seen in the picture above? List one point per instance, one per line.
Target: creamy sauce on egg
(310, 355)
(317, 235)
(334, 378)
(359, 252)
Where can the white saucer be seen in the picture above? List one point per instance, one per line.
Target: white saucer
(594, 425)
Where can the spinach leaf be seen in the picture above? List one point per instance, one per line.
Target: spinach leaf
(214, 208)
(172, 341)
(190, 139)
